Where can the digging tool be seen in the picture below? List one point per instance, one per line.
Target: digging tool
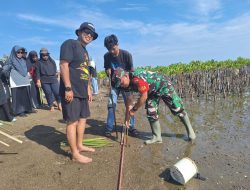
(112, 101)
(123, 143)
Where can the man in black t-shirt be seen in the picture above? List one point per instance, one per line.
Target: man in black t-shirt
(75, 89)
(116, 58)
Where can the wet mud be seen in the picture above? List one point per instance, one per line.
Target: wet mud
(221, 150)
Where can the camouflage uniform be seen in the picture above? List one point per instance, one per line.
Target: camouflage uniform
(159, 86)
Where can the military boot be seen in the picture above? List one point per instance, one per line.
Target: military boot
(185, 120)
(156, 131)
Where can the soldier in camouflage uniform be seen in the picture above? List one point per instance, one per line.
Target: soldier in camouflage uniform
(152, 87)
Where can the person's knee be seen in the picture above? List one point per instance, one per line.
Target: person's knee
(152, 115)
(182, 114)
(81, 122)
(152, 119)
(71, 125)
(178, 111)
(111, 106)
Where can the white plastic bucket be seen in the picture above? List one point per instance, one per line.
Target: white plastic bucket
(183, 170)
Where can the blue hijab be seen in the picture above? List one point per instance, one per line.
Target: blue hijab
(19, 64)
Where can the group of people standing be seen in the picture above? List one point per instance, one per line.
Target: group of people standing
(26, 76)
(118, 63)
(23, 78)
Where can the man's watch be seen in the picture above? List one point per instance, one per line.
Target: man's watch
(68, 89)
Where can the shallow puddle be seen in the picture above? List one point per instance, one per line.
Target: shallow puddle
(221, 150)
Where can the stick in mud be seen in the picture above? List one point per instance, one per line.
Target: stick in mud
(4, 143)
(11, 137)
(120, 174)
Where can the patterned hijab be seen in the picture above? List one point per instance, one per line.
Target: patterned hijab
(19, 64)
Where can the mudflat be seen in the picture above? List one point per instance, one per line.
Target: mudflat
(221, 150)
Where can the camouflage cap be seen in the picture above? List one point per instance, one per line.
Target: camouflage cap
(118, 74)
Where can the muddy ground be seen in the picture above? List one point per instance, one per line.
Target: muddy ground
(221, 151)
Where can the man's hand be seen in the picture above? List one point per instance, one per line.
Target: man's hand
(38, 83)
(108, 72)
(90, 97)
(127, 123)
(69, 95)
(131, 113)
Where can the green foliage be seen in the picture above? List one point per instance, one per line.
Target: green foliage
(193, 66)
(95, 142)
(199, 66)
(101, 74)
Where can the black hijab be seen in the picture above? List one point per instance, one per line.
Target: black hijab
(29, 62)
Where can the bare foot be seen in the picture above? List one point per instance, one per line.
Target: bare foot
(83, 148)
(59, 107)
(52, 109)
(81, 159)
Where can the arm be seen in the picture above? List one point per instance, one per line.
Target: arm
(107, 65)
(108, 72)
(7, 68)
(64, 68)
(143, 88)
(38, 81)
(129, 104)
(140, 102)
(129, 65)
(89, 93)
(130, 111)
(57, 73)
(89, 85)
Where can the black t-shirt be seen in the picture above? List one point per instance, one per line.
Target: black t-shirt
(76, 55)
(123, 60)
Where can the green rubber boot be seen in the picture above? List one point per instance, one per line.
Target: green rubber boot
(185, 120)
(156, 131)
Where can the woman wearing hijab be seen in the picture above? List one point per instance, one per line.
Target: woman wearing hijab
(47, 78)
(4, 106)
(19, 82)
(32, 63)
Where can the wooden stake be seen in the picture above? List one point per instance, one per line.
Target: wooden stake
(4, 143)
(11, 137)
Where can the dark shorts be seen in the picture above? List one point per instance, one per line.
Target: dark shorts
(75, 110)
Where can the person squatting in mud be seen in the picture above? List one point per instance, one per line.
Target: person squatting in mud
(152, 87)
